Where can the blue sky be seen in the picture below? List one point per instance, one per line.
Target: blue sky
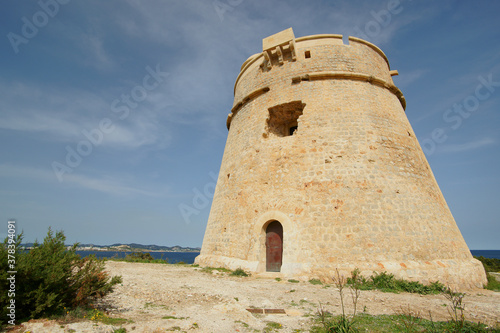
(112, 113)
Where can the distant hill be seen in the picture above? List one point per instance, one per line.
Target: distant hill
(129, 247)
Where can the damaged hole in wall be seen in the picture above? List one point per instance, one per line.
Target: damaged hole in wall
(284, 119)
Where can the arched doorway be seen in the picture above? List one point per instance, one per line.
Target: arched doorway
(274, 246)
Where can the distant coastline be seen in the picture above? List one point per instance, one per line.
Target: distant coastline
(132, 247)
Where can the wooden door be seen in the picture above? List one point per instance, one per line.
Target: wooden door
(274, 246)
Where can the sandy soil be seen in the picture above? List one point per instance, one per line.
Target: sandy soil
(165, 298)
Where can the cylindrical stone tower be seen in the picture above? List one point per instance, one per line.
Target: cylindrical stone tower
(322, 171)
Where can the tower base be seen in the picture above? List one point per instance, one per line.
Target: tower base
(457, 274)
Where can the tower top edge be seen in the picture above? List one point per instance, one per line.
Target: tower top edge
(287, 37)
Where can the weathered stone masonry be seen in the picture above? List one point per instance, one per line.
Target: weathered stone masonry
(319, 141)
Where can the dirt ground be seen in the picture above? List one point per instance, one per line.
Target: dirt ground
(170, 298)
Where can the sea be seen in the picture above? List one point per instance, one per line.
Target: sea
(486, 253)
(188, 257)
(172, 257)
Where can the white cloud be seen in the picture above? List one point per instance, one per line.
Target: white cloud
(96, 55)
(458, 148)
(104, 184)
(64, 114)
(405, 79)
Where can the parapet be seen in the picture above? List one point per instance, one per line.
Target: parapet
(315, 57)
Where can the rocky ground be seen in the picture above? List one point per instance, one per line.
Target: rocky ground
(164, 298)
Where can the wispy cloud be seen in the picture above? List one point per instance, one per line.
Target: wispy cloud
(461, 147)
(405, 79)
(104, 184)
(96, 55)
(64, 114)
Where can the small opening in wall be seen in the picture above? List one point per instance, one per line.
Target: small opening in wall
(307, 54)
(284, 119)
(228, 175)
(409, 134)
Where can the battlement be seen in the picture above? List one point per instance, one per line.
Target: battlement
(315, 57)
(276, 44)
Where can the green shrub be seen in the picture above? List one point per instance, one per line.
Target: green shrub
(490, 264)
(51, 279)
(395, 324)
(219, 269)
(239, 272)
(139, 256)
(144, 257)
(315, 281)
(493, 283)
(389, 283)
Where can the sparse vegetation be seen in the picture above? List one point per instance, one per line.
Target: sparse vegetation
(52, 280)
(242, 323)
(236, 272)
(406, 321)
(293, 281)
(219, 269)
(315, 281)
(143, 257)
(272, 326)
(397, 323)
(493, 283)
(389, 283)
(239, 272)
(491, 265)
(120, 330)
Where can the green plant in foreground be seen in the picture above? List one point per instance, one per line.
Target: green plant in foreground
(293, 281)
(52, 280)
(456, 309)
(343, 323)
(396, 324)
(272, 325)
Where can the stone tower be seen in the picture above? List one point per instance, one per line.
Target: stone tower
(322, 171)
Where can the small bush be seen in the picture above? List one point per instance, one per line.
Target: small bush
(271, 326)
(315, 281)
(490, 264)
(51, 279)
(239, 272)
(493, 283)
(389, 283)
(143, 257)
(396, 323)
(293, 281)
(219, 269)
(139, 256)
